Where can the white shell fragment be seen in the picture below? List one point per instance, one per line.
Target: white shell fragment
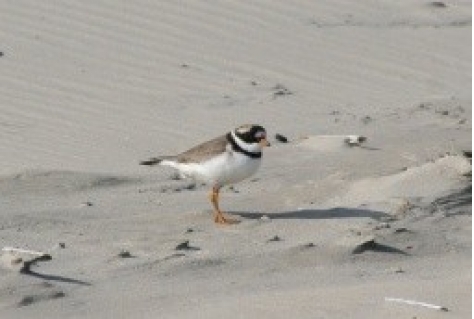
(416, 303)
(354, 140)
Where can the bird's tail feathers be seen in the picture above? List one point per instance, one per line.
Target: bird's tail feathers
(155, 160)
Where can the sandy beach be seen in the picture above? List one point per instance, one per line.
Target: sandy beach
(381, 229)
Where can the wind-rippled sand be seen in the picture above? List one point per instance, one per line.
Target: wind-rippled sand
(88, 89)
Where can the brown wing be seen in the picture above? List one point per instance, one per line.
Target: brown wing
(203, 151)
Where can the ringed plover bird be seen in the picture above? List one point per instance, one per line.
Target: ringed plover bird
(225, 160)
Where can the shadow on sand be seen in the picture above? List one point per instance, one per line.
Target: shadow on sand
(457, 203)
(55, 278)
(378, 248)
(337, 212)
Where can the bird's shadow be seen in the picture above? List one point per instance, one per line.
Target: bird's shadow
(333, 213)
(337, 212)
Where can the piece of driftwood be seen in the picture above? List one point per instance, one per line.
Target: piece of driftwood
(416, 303)
(23, 259)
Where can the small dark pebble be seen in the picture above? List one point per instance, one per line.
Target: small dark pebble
(190, 187)
(183, 246)
(1, 53)
(281, 138)
(125, 254)
(401, 230)
(351, 142)
(367, 119)
(184, 65)
(275, 238)
(382, 226)
(62, 245)
(467, 154)
(281, 93)
(254, 83)
(438, 4)
(308, 245)
(362, 139)
(399, 271)
(281, 90)
(189, 230)
(58, 294)
(26, 301)
(233, 189)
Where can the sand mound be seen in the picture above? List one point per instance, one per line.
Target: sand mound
(429, 181)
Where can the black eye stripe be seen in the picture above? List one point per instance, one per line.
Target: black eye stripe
(253, 135)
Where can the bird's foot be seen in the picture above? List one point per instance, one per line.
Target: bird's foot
(220, 219)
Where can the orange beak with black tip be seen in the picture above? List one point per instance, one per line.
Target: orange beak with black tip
(264, 143)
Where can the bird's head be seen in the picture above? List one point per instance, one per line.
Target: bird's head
(253, 135)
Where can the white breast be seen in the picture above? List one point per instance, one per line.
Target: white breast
(227, 168)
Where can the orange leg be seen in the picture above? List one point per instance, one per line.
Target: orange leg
(218, 215)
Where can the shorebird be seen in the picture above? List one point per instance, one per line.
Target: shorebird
(224, 160)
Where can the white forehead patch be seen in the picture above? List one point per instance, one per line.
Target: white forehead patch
(243, 129)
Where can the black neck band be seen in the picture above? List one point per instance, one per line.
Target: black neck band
(239, 149)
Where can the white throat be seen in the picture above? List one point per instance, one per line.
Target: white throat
(249, 147)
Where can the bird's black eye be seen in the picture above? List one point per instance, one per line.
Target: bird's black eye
(260, 135)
